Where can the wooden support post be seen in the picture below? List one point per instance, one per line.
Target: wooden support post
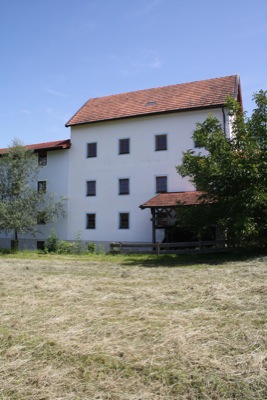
(153, 225)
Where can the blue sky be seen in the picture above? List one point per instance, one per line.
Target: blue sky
(56, 54)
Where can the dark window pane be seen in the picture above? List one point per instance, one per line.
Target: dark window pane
(124, 221)
(41, 218)
(40, 244)
(42, 186)
(161, 142)
(42, 158)
(161, 184)
(90, 222)
(91, 150)
(91, 188)
(123, 186)
(124, 146)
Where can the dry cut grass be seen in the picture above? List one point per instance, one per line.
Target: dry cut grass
(95, 330)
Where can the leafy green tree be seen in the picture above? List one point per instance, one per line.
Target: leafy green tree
(232, 173)
(21, 204)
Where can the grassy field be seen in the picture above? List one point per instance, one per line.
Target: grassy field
(132, 328)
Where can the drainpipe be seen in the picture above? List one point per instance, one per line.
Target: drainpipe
(224, 120)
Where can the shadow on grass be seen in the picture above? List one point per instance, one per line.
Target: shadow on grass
(182, 260)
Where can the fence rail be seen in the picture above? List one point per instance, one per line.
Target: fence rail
(181, 247)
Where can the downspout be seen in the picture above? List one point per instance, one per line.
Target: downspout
(224, 120)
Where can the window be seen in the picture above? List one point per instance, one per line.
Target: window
(41, 186)
(40, 244)
(41, 218)
(90, 221)
(161, 184)
(91, 188)
(91, 150)
(124, 221)
(42, 158)
(124, 146)
(161, 142)
(124, 186)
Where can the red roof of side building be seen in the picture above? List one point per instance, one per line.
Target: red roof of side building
(172, 199)
(186, 96)
(47, 146)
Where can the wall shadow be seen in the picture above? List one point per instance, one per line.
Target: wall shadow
(184, 260)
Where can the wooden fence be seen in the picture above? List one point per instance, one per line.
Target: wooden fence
(209, 246)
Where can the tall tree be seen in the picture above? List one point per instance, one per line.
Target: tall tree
(21, 204)
(232, 172)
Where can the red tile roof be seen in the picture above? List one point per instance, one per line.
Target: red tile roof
(185, 96)
(171, 199)
(56, 145)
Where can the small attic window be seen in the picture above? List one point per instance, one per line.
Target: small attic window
(150, 103)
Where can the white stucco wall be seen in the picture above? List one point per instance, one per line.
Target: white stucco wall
(141, 166)
(56, 175)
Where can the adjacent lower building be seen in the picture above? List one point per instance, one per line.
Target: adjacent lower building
(122, 152)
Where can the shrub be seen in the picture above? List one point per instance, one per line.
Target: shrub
(6, 251)
(65, 247)
(52, 242)
(91, 247)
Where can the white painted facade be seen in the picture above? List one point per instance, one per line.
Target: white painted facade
(56, 176)
(141, 166)
(118, 117)
(68, 170)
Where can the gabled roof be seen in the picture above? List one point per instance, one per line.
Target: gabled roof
(171, 199)
(186, 96)
(47, 146)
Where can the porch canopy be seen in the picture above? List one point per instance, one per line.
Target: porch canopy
(164, 205)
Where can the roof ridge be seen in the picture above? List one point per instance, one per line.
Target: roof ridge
(159, 87)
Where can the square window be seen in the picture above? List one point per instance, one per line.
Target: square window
(41, 218)
(161, 142)
(91, 188)
(124, 186)
(42, 158)
(161, 184)
(91, 150)
(124, 146)
(90, 221)
(40, 244)
(41, 186)
(124, 221)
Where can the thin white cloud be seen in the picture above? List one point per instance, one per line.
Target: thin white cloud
(55, 92)
(154, 64)
(145, 61)
(25, 112)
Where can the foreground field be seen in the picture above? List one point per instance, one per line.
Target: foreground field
(81, 329)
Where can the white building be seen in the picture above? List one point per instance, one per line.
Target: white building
(124, 149)
(53, 177)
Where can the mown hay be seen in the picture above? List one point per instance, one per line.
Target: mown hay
(79, 330)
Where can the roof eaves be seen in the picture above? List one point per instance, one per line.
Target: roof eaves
(147, 114)
(47, 146)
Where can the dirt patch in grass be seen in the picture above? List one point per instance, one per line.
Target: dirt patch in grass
(100, 330)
